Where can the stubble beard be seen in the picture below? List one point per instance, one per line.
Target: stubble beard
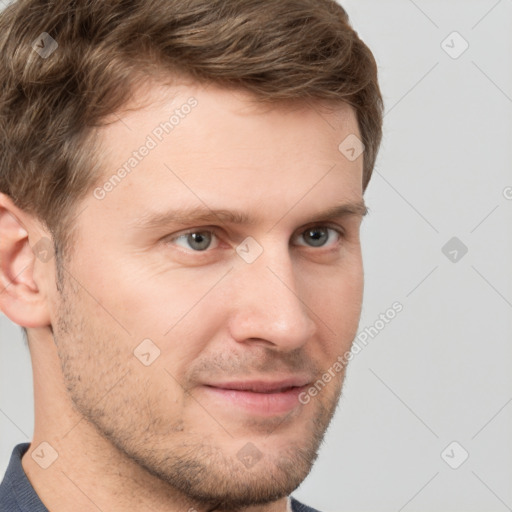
(203, 473)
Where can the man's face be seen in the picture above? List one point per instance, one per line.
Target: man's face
(176, 335)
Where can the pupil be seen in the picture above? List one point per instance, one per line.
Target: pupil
(318, 240)
(198, 238)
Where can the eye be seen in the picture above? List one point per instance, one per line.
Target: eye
(202, 240)
(320, 235)
(196, 240)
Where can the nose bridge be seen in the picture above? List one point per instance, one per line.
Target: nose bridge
(269, 303)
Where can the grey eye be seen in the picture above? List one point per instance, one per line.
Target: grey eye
(196, 240)
(318, 236)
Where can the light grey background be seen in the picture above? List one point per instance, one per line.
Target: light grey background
(439, 371)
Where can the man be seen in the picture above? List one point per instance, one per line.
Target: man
(181, 193)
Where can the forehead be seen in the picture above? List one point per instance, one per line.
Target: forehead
(191, 144)
(203, 115)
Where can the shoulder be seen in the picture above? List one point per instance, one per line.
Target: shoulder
(297, 506)
(16, 492)
(8, 501)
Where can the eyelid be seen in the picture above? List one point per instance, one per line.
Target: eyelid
(326, 224)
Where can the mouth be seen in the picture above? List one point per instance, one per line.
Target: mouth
(263, 398)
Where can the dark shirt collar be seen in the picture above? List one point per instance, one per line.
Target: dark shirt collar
(16, 491)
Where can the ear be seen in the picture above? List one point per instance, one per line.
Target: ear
(22, 298)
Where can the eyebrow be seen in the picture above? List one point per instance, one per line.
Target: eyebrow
(200, 214)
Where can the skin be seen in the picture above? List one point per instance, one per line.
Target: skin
(131, 437)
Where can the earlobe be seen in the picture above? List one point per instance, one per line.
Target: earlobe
(21, 298)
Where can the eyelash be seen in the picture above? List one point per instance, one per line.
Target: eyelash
(340, 232)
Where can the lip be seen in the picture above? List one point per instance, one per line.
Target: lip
(259, 397)
(263, 386)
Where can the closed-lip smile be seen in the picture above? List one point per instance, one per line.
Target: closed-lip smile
(260, 396)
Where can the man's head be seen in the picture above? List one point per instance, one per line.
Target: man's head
(124, 149)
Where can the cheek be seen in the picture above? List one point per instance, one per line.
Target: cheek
(336, 299)
(149, 302)
(180, 311)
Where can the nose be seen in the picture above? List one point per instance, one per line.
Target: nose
(269, 306)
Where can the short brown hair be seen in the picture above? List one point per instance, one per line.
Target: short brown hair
(279, 50)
